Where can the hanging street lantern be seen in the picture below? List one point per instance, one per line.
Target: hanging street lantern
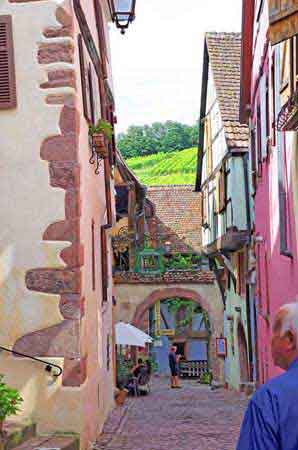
(123, 13)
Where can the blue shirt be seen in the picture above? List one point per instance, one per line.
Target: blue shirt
(271, 418)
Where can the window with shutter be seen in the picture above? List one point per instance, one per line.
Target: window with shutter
(8, 98)
(104, 263)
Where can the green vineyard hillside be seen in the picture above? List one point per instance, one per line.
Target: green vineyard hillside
(165, 168)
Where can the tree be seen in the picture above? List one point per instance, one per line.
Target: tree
(158, 137)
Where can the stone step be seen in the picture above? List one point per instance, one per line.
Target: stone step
(16, 431)
(50, 443)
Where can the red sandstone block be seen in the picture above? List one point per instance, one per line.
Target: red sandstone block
(60, 148)
(72, 204)
(72, 373)
(60, 99)
(69, 121)
(58, 340)
(65, 230)
(54, 281)
(60, 78)
(70, 306)
(53, 32)
(55, 52)
(65, 175)
(73, 255)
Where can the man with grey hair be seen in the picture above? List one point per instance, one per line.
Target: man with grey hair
(271, 418)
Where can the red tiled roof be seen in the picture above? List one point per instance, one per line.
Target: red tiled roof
(177, 216)
(224, 50)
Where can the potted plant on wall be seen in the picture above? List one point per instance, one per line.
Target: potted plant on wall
(99, 133)
(10, 401)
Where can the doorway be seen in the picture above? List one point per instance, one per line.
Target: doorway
(181, 349)
(243, 358)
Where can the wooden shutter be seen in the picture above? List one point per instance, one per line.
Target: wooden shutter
(222, 190)
(273, 100)
(84, 80)
(205, 206)
(101, 36)
(208, 144)
(217, 192)
(8, 99)
(263, 118)
(91, 94)
(283, 18)
(104, 263)
(253, 158)
(93, 254)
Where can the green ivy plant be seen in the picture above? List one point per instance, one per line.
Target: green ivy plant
(10, 400)
(177, 261)
(102, 127)
(206, 378)
(190, 308)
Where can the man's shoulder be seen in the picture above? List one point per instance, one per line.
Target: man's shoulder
(275, 387)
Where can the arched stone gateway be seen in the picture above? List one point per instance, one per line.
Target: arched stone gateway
(135, 300)
(164, 294)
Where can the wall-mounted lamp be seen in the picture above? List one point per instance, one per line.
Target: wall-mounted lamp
(123, 13)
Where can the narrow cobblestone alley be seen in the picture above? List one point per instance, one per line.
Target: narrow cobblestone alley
(192, 418)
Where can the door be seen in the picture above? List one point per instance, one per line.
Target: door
(243, 359)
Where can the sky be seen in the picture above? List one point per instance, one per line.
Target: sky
(157, 64)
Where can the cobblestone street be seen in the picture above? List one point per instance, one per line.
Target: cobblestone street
(192, 418)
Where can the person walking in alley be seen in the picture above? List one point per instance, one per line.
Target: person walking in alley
(174, 367)
(270, 421)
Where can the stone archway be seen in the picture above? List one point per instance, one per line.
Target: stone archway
(216, 363)
(165, 293)
(243, 357)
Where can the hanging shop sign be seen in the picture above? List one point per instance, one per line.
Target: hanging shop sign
(221, 346)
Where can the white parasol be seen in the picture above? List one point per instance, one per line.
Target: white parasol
(127, 334)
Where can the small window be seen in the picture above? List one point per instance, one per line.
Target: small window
(8, 99)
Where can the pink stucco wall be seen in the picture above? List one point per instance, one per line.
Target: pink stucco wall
(277, 275)
(96, 326)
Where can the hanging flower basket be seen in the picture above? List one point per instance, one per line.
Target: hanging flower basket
(98, 140)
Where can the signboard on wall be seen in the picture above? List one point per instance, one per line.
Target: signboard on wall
(221, 346)
(167, 332)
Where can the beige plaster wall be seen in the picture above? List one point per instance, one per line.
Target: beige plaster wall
(96, 325)
(27, 206)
